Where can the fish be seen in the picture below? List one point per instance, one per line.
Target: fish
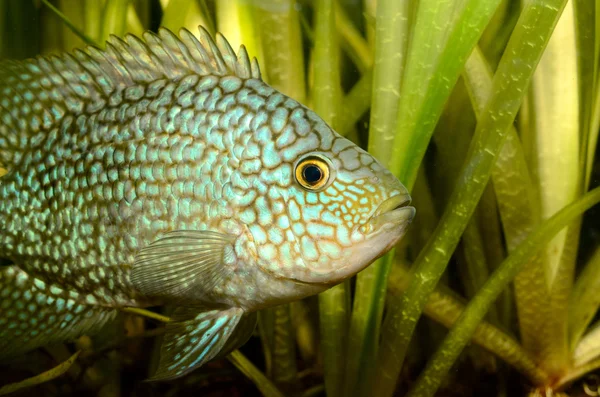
(163, 171)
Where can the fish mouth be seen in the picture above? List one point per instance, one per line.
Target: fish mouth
(392, 213)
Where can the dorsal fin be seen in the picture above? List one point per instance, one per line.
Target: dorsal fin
(36, 93)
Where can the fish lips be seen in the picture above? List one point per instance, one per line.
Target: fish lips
(393, 213)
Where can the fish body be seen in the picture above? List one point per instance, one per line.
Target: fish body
(164, 171)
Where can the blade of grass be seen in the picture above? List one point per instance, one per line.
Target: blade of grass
(92, 16)
(584, 300)
(588, 348)
(134, 24)
(491, 233)
(235, 20)
(47, 376)
(587, 56)
(75, 13)
(431, 72)
(266, 330)
(390, 46)
(527, 44)
(281, 40)
(264, 385)
(356, 102)
(114, 20)
(445, 308)
(175, 14)
(518, 207)
(352, 41)
(21, 36)
(185, 14)
(576, 373)
(325, 95)
(555, 111)
(70, 25)
(437, 369)
(496, 35)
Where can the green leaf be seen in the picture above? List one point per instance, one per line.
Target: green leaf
(554, 129)
(281, 40)
(175, 14)
(187, 14)
(463, 330)
(114, 20)
(444, 35)
(326, 95)
(266, 387)
(235, 20)
(44, 377)
(390, 46)
(351, 40)
(444, 307)
(519, 210)
(588, 347)
(439, 47)
(69, 45)
(356, 102)
(584, 300)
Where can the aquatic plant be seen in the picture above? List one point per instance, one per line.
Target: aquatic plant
(488, 110)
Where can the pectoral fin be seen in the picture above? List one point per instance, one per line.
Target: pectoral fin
(182, 264)
(192, 339)
(243, 331)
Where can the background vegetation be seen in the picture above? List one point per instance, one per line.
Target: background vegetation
(487, 110)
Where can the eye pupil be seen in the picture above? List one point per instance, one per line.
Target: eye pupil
(312, 174)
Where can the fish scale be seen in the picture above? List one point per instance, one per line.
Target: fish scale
(166, 172)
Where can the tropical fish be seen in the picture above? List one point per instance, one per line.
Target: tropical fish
(164, 171)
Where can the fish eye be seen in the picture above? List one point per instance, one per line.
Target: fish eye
(312, 173)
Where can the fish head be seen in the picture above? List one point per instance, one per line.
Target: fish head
(331, 208)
